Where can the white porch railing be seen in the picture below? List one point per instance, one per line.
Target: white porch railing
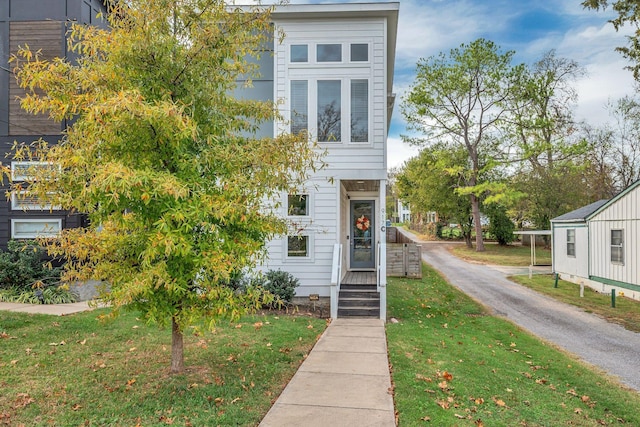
(336, 276)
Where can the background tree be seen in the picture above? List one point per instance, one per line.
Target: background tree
(159, 158)
(545, 140)
(429, 182)
(628, 13)
(459, 99)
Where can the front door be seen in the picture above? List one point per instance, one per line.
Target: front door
(363, 249)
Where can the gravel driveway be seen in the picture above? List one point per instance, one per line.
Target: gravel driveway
(605, 345)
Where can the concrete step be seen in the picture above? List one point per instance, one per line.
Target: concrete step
(348, 311)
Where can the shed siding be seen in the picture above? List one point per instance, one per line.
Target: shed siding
(574, 266)
(623, 214)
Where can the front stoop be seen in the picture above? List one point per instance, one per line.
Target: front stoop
(358, 301)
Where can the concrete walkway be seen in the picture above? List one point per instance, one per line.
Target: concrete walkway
(53, 309)
(344, 381)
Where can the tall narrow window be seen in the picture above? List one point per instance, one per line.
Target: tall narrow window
(359, 110)
(571, 242)
(299, 106)
(617, 246)
(329, 53)
(329, 111)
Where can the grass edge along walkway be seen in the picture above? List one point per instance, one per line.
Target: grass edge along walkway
(75, 370)
(453, 364)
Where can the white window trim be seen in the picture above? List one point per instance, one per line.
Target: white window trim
(312, 52)
(46, 233)
(17, 206)
(621, 246)
(574, 243)
(309, 205)
(345, 106)
(299, 259)
(34, 164)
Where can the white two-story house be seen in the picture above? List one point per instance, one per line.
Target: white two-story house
(333, 77)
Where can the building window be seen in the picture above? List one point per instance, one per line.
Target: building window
(617, 246)
(299, 106)
(298, 246)
(359, 110)
(32, 228)
(329, 111)
(571, 242)
(23, 201)
(298, 205)
(299, 53)
(329, 53)
(25, 170)
(359, 52)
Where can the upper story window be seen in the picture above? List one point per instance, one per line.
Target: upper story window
(617, 246)
(359, 52)
(359, 110)
(329, 110)
(571, 242)
(329, 52)
(299, 106)
(299, 53)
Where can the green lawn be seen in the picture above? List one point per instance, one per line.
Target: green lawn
(74, 370)
(514, 254)
(455, 365)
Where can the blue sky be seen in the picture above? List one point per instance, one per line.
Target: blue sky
(529, 27)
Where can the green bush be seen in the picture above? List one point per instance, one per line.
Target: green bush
(281, 284)
(500, 225)
(23, 265)
(26, 276)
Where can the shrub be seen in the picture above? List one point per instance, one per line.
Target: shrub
(23, 265)
(281, 284)
(500, 225)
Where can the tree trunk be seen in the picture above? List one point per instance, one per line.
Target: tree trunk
(467, 240)
(475, 209)
(177, 348)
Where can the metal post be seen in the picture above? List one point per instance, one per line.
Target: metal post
(613, 298)
(581, 289)
(555, 285)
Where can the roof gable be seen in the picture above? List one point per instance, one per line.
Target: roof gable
(614, 199)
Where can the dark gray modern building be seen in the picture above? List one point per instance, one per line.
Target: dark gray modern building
(43, 25)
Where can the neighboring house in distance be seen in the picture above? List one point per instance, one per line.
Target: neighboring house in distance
(404, 211)
(333, 74)
(42, 25)
(599, 244)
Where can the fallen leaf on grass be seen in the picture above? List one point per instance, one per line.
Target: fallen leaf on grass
(425, 419)
(22, 400)
(55, 344)
(4, 335)
(76, 407)
(499, 402)
(447, 376)
(577, 411)
(460, 417)
(443, 404)
(257, 325)
(479, 423)
(443, 385)
(585, 399)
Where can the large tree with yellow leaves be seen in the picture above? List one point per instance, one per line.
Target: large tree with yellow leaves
(161, 158)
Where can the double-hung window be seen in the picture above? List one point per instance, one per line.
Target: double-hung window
(571, 242)
(617, 246)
